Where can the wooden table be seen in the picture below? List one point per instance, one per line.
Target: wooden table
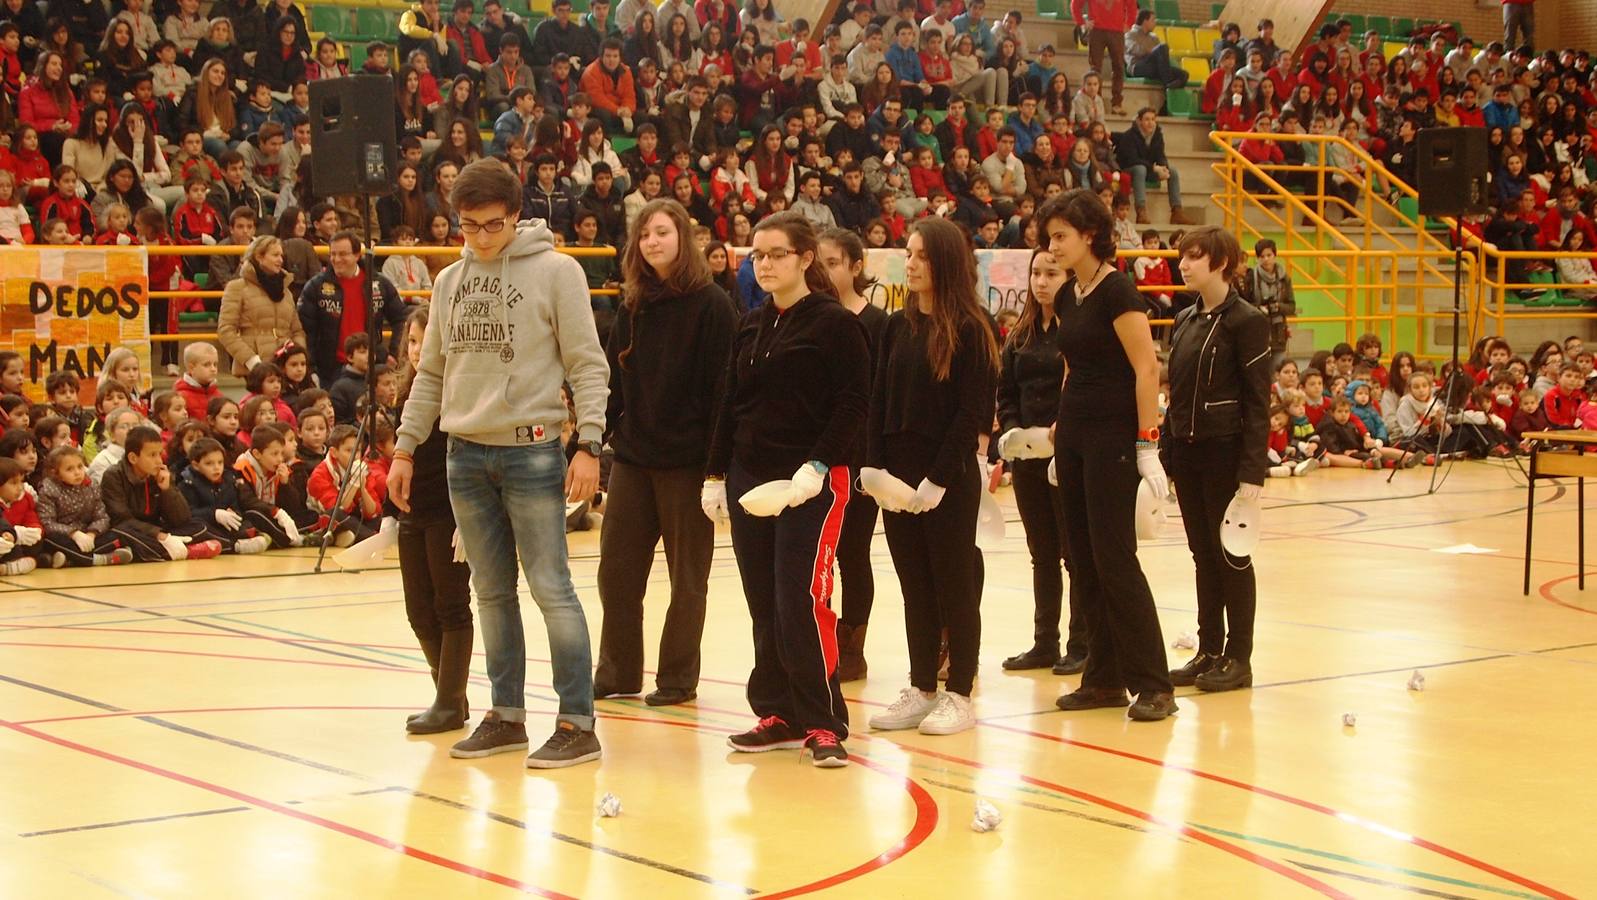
(1574, 462)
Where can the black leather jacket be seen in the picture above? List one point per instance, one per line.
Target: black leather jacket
(1220, 380)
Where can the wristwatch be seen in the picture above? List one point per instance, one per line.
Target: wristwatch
(1148, 436)
(592, 448)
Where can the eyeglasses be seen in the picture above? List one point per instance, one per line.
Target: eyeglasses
(497, 225)
(776, 256)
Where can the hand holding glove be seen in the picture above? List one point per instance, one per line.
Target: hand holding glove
(1149, 467)
(227, 518)
(1008, 443)
(927, 497)
(807, 484)
(176, 548)
(1249, 491)
(84, 541)
(712, 499)
(27, 535)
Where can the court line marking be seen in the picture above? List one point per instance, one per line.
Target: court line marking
(1546, 590)
(1381, 882)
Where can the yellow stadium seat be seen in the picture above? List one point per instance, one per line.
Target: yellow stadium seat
(1205, 38)
(1180, 40)
(1197, 67)
(1392, 48)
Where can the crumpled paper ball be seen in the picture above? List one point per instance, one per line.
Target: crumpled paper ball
(1186, 640)
(987, 817)
(1416, 682)
(609, 806)
(1350, 719)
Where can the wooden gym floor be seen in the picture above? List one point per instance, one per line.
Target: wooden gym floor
(234, 728)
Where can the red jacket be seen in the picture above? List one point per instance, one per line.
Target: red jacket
(1560, 407)
(1552, 224)
(1317, 412)
(23, 512)
(196, 398)
(923, 180)
(323, 488)
(1216, 85)
(37, 107)
(74, 211)
(1109, 15)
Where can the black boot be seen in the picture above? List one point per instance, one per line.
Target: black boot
(850, 652)
(1038, 657)
(1187, 674)
(1152, 706)
(1070, 665)
(1229, 675)
(448, 712)
(429, 649)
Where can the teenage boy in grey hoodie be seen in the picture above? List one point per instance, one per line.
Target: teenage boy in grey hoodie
(510, 321)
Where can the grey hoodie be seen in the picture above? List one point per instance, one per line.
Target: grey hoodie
(503, 335)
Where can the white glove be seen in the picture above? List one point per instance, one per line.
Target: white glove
(1249, 491)
(1053, 471)
(253, 361)
(175, 547)
(84, 540)
(358, 471)
(207, 240)
(807, 483)
(1149, 467)
(1379, 443)
(1497, 422)
(1008, 443)
(123, 240)
(286, 522)
(227, 518)
(712, 499)
(887, 158)
(459, 545)
(7, 544)
(927, 497)
(27, 535)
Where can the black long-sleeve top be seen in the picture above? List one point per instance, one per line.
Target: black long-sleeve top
(875, 321)
(1220, 380)
(663, 397)
(797, 389)
(943, 418)
(1029, 378)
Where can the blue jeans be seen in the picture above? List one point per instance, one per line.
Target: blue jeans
(510, 501)
(1139, 186)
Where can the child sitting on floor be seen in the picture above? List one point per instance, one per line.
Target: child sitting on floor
(22, 545)
(148, 512)
(215, 502)
(72, 513)
(360, 504)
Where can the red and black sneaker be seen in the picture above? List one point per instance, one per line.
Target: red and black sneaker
(826, 751)
(773, 733)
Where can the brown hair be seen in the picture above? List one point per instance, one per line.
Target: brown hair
(801, 234)
(1084, 211)
(1215, 244)
(211, 101)
(954, 302)
(1031, 309)
(853, 248)
(485, 183)
(420, 314)
(642, 284)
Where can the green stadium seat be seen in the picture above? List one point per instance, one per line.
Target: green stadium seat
(1380, 24)
(1402, 28)
(1215, 9)
(1181, 102)
(373, 24)
(1051, 9)
(1358, 24)
(357, 55)
(1167, 11)
(331, 19)
(201, 279)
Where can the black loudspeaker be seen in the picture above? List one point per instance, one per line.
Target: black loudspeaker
(352, 132)
(1452, 171)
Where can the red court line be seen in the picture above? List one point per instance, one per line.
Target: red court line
(1546, 590)
(926, 811)
(290, 812)
(1417, 841)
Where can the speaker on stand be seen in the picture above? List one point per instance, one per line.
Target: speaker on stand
(354, 150)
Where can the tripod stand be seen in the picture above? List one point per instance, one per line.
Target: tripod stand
(366, 432)
(1444, 393)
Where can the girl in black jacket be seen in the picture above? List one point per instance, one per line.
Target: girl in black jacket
(432, 567)
(843, 259)
(1218, 426)
(667, 352)
(796, 393)
(935, 379)
(1030, 372)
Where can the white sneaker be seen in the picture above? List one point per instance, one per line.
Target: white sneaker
(1306, 466)
(27, 564)
(256, 544)
(906, 712)
(951, 715)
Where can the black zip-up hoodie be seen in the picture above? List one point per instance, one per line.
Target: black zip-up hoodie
(136, 504)
(797, 388)
(663, 398)
(922, 427)
(1220, 380)
(1029, 380)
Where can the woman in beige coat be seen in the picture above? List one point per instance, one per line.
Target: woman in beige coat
(258, 310)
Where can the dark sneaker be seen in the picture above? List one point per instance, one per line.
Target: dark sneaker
(773, 733)
(826, 751)
(669, 697)
(1070, 665)
(1035, 658)
(1229, 675)
(1092, 698)
(493, 735)
(1152, 706)
(568, 746)
(1203, 662)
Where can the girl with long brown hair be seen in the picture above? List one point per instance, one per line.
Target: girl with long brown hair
(1030, 373)
(49, 106)
(407, 205)
(933, 398)
(796, 394)
(667, 351)
(432, 568)
(212, 109)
